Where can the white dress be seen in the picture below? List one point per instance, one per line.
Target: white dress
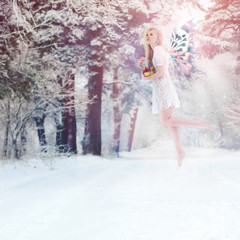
(164, 94)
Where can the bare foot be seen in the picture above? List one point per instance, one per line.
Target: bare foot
(181, 156)
(203, 125)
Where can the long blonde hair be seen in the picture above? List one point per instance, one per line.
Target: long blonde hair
(148, 49)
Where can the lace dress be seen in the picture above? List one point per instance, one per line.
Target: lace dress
(164, 94)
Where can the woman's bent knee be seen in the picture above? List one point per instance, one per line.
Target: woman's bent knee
(165, 116)
(164, 122)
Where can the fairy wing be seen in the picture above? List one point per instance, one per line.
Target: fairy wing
(182, 50)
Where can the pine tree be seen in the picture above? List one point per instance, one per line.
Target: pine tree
(55, 33)
(220, 29)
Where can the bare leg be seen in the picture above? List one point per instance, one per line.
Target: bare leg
(173, 123)
(169, 121)
(180, 152)
(176, 139)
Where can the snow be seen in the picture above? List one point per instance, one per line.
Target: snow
(139, 196)
(95, 42)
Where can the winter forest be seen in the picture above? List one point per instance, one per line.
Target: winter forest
(81, 154)
(70, 84)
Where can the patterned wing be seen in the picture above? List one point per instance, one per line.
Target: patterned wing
(182, 51)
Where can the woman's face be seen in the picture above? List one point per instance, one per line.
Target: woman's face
(151, 37)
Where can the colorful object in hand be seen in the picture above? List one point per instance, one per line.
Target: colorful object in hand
(148, 70)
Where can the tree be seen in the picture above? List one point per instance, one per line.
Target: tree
(220, 33)
(16, 84)
(101, 37)
(55, 33)
(220, 29)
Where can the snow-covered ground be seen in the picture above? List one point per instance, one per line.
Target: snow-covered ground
(139, 196)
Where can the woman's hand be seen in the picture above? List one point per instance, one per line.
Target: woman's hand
(143, 77)
(140, 61)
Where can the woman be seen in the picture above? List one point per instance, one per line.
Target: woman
(164, 98)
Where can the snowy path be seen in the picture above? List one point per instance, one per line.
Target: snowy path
(139, 196)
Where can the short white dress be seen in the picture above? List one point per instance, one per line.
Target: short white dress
(164, 94)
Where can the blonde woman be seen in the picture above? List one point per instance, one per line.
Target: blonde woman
(164, 94)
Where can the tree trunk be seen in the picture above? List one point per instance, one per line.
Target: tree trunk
(7, 129)
(15, 149)
(92, 141)
(40, 129)
(23, 142)
(61, 130)
(69, 129)
(117, 113)
(70, 120)
(39, 118)
(132, 127)
(61, 139)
